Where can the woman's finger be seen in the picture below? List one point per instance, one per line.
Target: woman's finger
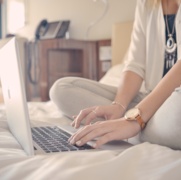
(80, 133)
(81, 129)
(72, 137)
(90, 117)
(73, 122)
(96, 113)
(90, 133)
(83, 113)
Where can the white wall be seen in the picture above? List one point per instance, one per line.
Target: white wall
(81, 13)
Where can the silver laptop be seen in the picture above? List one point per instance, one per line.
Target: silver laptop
(34, 140)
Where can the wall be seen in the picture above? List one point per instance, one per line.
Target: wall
(81, 13)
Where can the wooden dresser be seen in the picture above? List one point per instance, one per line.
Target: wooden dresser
(57, 58)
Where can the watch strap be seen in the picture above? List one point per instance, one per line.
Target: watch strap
(140, 121)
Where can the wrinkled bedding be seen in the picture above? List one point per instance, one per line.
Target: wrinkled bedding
(140, 162)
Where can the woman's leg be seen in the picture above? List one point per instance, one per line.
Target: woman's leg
(164, 127)
(72, 94)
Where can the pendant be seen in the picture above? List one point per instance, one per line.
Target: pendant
(170, 45)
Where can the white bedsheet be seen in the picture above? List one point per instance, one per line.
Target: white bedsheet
(141, 162)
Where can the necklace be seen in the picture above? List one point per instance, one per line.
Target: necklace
(170, 44)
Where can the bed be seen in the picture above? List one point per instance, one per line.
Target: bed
(144, 161)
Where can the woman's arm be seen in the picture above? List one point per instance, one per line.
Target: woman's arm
(134, 70)
(120, 129)
(162, 91)
(130, 80)
(129, 87)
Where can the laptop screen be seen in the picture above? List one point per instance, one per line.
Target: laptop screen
(14, 93)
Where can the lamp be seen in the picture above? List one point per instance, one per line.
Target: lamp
(98, 19)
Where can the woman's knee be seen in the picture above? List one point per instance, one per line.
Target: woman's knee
(59, 88)
(63, 93)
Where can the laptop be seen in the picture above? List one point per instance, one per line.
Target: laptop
(34, 140)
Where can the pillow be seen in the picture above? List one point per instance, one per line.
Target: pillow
(112, 77)
(164, 128)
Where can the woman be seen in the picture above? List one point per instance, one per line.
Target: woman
(154, 57)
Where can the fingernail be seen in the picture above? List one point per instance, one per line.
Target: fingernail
(94, 145)
(78, 143)
(72, 142)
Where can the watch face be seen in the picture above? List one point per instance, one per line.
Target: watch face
(135, 114)
(132, 113)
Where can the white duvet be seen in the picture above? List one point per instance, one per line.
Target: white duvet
(141, 162)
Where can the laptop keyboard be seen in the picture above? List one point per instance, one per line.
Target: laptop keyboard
(54, 139)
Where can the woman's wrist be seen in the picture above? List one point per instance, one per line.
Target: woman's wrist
(119, 104)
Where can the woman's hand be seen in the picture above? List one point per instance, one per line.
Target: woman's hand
(105, 131)
(106, 112)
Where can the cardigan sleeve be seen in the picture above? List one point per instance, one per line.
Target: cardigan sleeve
(136, 55)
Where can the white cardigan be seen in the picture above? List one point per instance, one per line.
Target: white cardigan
(146, 52)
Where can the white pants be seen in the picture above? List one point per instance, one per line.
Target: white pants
(72, 94)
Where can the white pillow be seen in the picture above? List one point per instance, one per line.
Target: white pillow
(164, 128)
(112, 77)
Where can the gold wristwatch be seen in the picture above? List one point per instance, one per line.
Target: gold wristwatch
(134, 114)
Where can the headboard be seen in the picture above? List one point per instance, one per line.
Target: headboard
(121, 35)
